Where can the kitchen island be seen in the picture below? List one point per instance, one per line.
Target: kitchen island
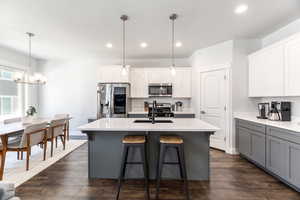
(105, 146)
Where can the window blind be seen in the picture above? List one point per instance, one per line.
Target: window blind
(8, 88)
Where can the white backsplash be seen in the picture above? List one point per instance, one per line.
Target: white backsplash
(137, 104)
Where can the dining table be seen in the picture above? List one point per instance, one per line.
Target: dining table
(7, 130)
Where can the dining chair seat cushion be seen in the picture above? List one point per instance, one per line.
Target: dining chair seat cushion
(14, 145)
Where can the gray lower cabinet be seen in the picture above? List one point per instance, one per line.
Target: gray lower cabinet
(294, 164)
(275, 150)
(244, 142)
(258, 148)
(276, 156)
(252, 145)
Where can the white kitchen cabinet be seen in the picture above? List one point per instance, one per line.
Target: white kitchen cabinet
(139, 83)
(159, 75)
(181, 82)
(112, 74)
(266, 72)
(292, 67)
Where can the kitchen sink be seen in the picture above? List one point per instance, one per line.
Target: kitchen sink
(150, 121)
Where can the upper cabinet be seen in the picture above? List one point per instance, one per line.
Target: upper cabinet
(292, 67)
(140, 78)
(274, 70)
(266, 69)
(139, 83)
(159, 75)
(182, 82)
(108, 74)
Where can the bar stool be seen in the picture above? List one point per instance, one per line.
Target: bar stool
(128, 142)
(175, 142)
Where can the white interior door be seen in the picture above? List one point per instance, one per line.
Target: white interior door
(213, 104)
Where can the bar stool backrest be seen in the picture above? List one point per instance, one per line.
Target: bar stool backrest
(56, 127)
(37, 134)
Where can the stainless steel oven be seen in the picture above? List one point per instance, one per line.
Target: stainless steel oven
(160, 90)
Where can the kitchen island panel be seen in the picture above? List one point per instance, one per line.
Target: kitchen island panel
(105, 151)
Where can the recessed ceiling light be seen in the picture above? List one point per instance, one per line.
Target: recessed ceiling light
(241, 9)
(109, 45)
(143, 44)
(178, 44)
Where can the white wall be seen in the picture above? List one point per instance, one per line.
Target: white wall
(282, 33)
(208, 59)
(231, 55)
(71, 86)
(14, 59)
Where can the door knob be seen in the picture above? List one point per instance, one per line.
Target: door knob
(202, 112)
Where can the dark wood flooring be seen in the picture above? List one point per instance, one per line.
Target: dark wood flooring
(232, 178)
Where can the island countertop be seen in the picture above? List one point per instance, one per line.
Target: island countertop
(127, 124)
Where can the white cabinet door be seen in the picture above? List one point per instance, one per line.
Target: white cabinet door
(182, 81)
(159, 75)
(266, 72)
(139, 83)
(112, 74)
(292, 68)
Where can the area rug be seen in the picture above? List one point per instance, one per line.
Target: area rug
(15, 170)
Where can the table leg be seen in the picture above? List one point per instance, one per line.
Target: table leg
(4, 140)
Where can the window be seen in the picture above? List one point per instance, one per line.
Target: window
(6, 75)
(10, 94)
(7, 107)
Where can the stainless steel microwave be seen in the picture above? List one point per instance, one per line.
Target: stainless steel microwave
(160, 90)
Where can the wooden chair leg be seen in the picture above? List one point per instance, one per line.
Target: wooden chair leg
(18, 155)
(21, 154)
(63, 140)
(56, 142)
(45, 150)
(52, 143)
(27, 158)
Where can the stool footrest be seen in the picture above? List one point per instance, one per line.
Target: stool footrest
(171, 163)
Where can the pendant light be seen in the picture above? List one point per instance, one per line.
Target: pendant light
(173, 17)
(37, 78)
(125, 67)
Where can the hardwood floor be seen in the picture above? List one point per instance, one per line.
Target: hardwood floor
(232, 178)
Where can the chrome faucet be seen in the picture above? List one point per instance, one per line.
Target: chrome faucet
(152, 117)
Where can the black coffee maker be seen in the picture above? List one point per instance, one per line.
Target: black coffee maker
(263, 110)
(285, 110)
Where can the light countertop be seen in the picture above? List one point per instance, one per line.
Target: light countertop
(127, 124)
(291, 126)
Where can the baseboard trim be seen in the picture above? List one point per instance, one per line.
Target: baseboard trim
(232, 151)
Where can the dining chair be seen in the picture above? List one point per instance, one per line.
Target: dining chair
(57, 129)
(64, 116)
(33, 134)
(16, 137)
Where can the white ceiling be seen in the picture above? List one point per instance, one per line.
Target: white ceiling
(69, 29)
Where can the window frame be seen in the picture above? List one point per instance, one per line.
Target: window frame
(11, 105)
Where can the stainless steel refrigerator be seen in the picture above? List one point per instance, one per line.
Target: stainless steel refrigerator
(113, 100)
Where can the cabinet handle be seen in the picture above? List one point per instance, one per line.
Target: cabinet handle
(202, 112)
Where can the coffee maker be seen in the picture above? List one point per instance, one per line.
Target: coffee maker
(285, 110)
(263, 110)
(274, 112)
